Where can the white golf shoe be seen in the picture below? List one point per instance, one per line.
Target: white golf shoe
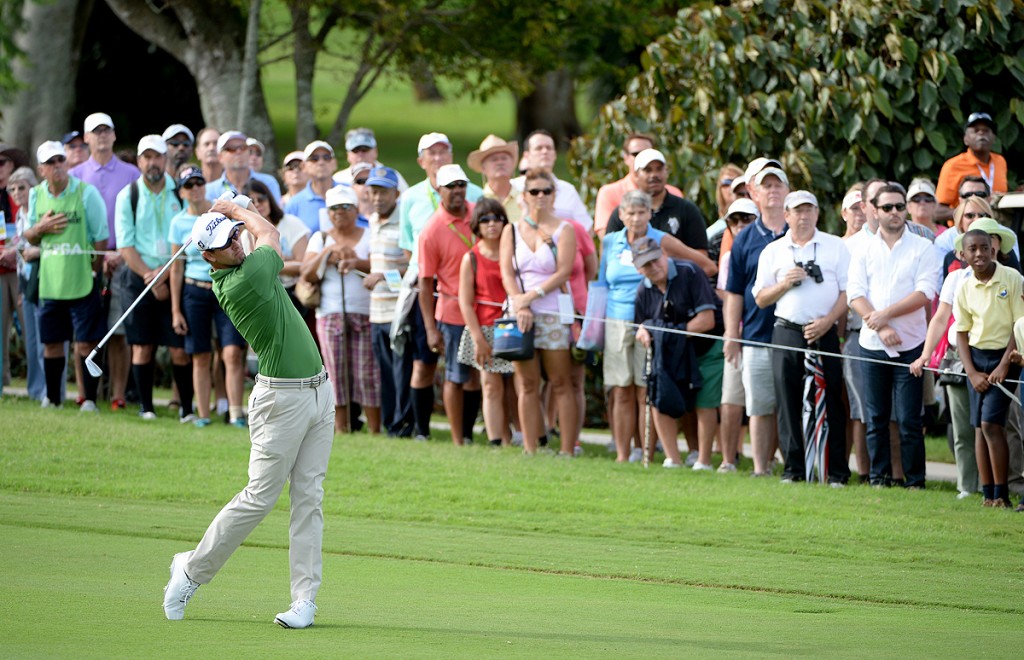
(179, 589)
(299, 616)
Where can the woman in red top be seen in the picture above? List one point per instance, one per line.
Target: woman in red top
(481, 295)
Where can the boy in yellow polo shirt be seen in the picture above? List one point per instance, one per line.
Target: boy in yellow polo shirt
(985, 308)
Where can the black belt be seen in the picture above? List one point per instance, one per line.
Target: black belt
(199, 283)
(788, 325)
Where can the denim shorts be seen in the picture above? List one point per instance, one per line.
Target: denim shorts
(454, 371)
(202, 312)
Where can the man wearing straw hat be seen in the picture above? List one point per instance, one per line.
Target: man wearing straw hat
(496, 159)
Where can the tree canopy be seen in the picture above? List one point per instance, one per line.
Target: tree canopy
(840, 90)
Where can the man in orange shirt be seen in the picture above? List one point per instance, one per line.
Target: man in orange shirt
(977, 160)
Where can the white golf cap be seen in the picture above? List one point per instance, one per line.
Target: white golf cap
(48, 150)
(253, 142)
(361, 166)
(227, 136)
(151, 143)
(759, 164)
(646, 157)
(175, 129)
(430, 139)
(741, 180)
(294, 155)
(853, 197)
(447, 174)
(920, 186)
(341, 194)
(743, 205)
(317, 144)
(800, 197)
(97, 119)
(212, 231)
(771, 171)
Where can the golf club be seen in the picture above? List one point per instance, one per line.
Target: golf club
(90, 363)
(647, 408)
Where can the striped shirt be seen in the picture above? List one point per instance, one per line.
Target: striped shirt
(385, 255)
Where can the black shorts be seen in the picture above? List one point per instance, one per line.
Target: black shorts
(420, 350)
(992, 406)
(80, 319)
(150, 323)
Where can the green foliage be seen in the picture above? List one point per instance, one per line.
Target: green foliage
(841, 91)
(10, 23)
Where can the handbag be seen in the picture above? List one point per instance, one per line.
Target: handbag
(308, 293)
(951, 363)
(511, 343)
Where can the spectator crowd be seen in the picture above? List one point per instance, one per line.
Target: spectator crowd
(821, 346)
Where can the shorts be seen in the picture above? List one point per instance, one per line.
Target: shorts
(347, 347)
(202, 312)
(624, 357)
(757, 381)
(80, 319)
(150, 323)
(993, 405)
(549, 334)
(114, 307)
(418, 337)
(711, 366)
(732, 386)
(467, 353)
(454, 371)
(853, 376)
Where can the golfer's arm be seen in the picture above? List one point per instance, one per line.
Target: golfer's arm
(265, 233)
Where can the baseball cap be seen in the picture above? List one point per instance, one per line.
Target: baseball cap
(190, 173)
(227, 136)
(760, 176)
(294, 155)
(341, 195)
(852, 197)
(918, 186)
(644, 251)
(800, 197)
(359, 137)
(383, 177)
(981, 118)
(759, 164)
(430, 139)
(68, 137)
(362, 166)
(212, 231)
(317, 144)
(97, 119)
(153, 142)
(48, 150)
(741, 180)
(447, 174)
(175, 129)
(646, 157)
(743, 205)
(253, 142)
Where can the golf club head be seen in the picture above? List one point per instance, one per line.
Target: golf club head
(90, 364)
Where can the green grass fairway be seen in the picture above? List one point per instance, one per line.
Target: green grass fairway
(432, 550)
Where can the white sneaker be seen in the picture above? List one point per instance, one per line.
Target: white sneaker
(188, 419)
(577, 451)
(148, 415)
(691, 458)
(299, 616)
(636, 455)
(179, 589)
(46, 403)
(88, 407)
(726, 468)
(963, 495)
(702, 467)
(517, 438)
(669, 463)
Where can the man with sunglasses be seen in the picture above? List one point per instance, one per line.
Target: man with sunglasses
(610, 194)
(180, 147)
(67, 219)
(893, 278)
(361, 147)
(291, 415)
(309, 204)
(233, 153)
(977, 160)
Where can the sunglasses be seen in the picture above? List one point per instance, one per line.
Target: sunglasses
(258, 199)
(293, 166)
(342, 207)
(4, 161)
(193, 183)
(56, 160)
(455, 185)
(974, 216)
(360, 150)
(724, 182)
(179, 143)
(102, 130)
(361, 182)
(922, 199)
(744, 194)
(742, 218)
(634, 154)
(490, 217)
(316, 159)
(889, 208)
(540, 191)
(974, 193)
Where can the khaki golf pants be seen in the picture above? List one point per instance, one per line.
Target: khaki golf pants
(292, 431)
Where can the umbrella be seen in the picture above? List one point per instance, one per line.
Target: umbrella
(815, 419)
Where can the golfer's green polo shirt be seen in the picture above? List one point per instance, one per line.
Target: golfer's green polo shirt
(258, 305)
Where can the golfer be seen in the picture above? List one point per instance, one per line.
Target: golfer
(291, 414)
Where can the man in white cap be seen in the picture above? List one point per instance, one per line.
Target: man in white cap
(67, 219)
(803, 274)
(309, 204)
(921, 205)
(144, 211)
(361, 147)
(540, 153)
(291, 418)
(855, 217)
(180, 147)
(233, 153)
(443, 243)
(416, 206)
(852, 212)
(293, 175)
(610, 194)
(109, 174)
(496, 160)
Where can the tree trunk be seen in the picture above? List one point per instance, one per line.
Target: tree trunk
(424, 84)
(51, 41)
(551, 106)
(304, 58)
(247, 100)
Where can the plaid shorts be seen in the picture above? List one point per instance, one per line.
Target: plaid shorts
(361, 375)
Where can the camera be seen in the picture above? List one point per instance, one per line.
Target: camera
(812, 269)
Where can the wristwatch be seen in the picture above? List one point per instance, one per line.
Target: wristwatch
(540, 292)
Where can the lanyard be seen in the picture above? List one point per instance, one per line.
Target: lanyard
(467, 241)
(991, 178)
(432, 194)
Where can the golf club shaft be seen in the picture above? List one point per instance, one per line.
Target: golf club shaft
(647, 409)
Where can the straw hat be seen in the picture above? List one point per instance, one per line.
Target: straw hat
(491, 145)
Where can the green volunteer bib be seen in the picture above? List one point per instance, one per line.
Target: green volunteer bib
(65, 266)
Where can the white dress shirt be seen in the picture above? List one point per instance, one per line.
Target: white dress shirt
(811, 300)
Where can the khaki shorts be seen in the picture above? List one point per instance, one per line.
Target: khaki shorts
(758, 381)
(624, 357)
